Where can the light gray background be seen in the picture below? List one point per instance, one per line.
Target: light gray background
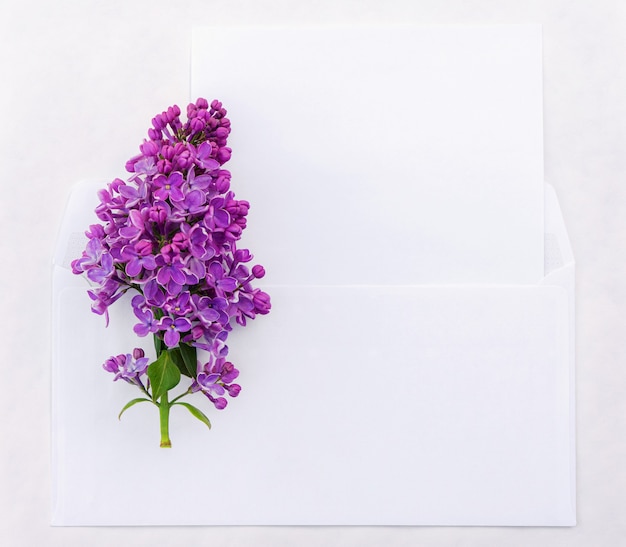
(80, 81)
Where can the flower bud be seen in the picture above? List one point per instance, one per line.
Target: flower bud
(143, 247)
(243, 255)
(220, 403)
(149, 148)
(172, 113)
(233, 389)
(197, 125)
(223, 154)
(111, 365)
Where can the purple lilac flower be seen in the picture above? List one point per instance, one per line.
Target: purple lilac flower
(193, 202)
(218, 278)
(215, 379)
(171, 270)
(204, 159)
(134, 193)
(139, 257)
(168, 187)
(128, 367)
(179, 305)
(135, 224)
(103, 270)
(172, 328)
(148, 324)
(206, 309)
(91, 256)
(170, 234)
(153, 293)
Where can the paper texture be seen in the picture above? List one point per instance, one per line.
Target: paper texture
(397, 155)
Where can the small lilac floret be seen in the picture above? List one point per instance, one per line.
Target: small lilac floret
(148, 323)
(171, 272)
(215, 379)
(204, 159)
(169, 187)
(127, 367)
(100, 273)
(172, 329)
(139, 257)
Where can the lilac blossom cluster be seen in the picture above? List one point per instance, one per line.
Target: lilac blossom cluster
(170, 233)
(128, 367)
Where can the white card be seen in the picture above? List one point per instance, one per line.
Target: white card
(397, 155)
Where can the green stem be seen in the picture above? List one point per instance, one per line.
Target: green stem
(164, 418)
(180, 396)
(143, 388)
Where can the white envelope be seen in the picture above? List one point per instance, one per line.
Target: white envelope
(434, 405)
(408, 384)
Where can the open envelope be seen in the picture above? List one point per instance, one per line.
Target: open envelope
(361, 405)
(367, 399)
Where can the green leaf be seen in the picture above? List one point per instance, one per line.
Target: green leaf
(197, 413)
(163, 374)
(178, 361)
(185, 358)
(190, 357)
(129, 404)
(158, 345)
